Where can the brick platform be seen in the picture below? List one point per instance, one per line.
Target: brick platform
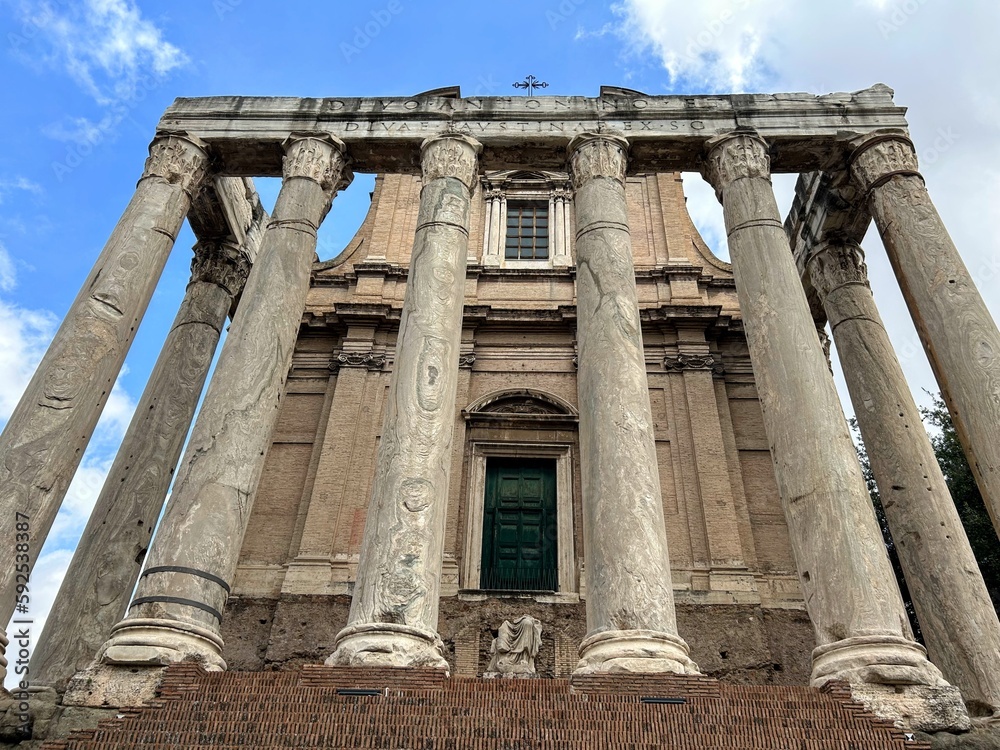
(321, 707)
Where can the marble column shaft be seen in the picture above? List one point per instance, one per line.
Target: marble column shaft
(176, 612)
(107, 562)
(394, 611)
(851, 595)
(954, 324)
(631, 623)
(48, 432)
(959, 624)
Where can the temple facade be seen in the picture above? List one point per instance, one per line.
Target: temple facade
(526, 417)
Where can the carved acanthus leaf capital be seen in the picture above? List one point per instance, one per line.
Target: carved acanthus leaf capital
(451, 155)
(733, 157)
(879, 158)
(681, 362)
(320, 158)
(178, 158)
(222, 263)
(835, 264)
(594, 155)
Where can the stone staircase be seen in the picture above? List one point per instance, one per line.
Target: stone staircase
(396, 709)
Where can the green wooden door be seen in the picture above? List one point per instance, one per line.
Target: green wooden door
(519, 525)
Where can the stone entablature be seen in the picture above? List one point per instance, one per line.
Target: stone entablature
(666, 133)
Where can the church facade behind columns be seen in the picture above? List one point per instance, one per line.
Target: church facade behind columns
(517, 410)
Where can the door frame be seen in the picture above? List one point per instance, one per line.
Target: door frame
(476, 502)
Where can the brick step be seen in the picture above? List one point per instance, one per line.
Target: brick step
(424, 709)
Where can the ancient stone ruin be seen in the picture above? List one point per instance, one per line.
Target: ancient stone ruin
(526, 387)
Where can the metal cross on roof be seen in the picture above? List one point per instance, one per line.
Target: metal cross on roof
(531, 83)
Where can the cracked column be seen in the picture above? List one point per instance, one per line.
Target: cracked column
(954, 324)
(394, 611)
(956, 616)
(862, 633)
(177, 610)
(46, 436)
(631, 623)
(106, 565)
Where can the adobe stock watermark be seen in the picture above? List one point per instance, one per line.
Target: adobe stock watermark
(563, 11)
(31, 27)
(224, 7)
(365, 33)
(943, 141)
(899, 16)
(20, 636)
(114, 115)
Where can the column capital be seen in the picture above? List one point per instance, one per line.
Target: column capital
(451, 155)
(320, 158)
(597, 155)
(220, 262)
(878, 158)
(735, 156)
(835, 264)
(179, 159)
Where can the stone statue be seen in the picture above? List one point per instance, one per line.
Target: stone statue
(514, 649)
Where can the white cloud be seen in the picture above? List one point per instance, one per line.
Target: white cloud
(24, 335)
(10, 184)
(8, 276)
(939, 57)
(106, 46)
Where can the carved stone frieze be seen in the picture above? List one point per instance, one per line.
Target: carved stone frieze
(681, 362)
(878, 159)
(369, 360)
(321, 159)
(836, 264)
(178, 158)
(597, 155)
(451, 155)
(735, 156)
(220, 263)
(466, 360)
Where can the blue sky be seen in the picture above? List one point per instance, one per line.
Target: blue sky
(86, 81)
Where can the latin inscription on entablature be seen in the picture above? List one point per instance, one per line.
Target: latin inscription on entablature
(480, 127)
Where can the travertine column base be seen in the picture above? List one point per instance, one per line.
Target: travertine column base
(104, 686)
(879, 659)
(129, 667)
(387, 645)
(155, 642)
(634, 651)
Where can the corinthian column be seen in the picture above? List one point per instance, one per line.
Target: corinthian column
(46, 436)
(106, 565)
(394, 612)
(850, 592)
(956, 616)
(954, 324)
(177, 609)
(631, 624)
